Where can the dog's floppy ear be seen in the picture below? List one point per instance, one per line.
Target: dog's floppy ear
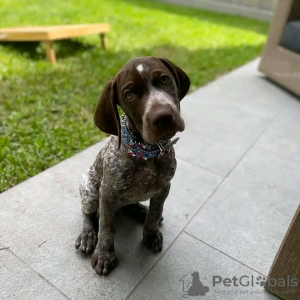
(106, 117)
(183, 82)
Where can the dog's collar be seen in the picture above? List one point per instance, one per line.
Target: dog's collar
(144, 150)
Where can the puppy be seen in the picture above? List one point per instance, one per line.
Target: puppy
(138, 162)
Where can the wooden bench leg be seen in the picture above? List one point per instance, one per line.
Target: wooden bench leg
(50, 52)
(103, 41)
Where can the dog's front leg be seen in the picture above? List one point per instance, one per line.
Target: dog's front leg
(152, 236)
(89, 192)
(104, 258)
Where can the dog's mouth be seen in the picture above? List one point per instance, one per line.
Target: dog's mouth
(167, 136)
(155, 139)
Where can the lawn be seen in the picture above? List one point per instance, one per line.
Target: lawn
(46, 112)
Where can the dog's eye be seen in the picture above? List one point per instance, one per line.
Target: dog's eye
(128, 95)
(164, 79)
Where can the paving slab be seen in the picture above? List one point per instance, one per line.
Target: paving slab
(249, 215)
(172, 278)
(18, 281)
(215, 131)
(249, 91)
(42, 220)
(283, 136)
(295, 104)
(224, 118)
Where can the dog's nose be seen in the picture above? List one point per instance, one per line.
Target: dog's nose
(163, 118)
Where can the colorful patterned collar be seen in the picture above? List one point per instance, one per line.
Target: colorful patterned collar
(143, 150)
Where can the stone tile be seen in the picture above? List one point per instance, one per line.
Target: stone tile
(19, 281)
(283, 136)
(171, 277)
(42, 220)
(248, 216)
(2, 246)
(295, 104)
(190, 188)
(217, 135)
(224, 118)
(247, 90)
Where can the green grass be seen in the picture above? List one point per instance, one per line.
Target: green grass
(46, 112)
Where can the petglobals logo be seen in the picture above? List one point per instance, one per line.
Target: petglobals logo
(194, 285)
(251, 281)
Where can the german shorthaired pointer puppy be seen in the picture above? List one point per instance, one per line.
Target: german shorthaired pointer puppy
(138, 162)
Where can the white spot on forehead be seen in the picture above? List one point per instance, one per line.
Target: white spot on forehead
(140, 68)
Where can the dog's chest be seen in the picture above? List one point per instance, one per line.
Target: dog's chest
(146, 179)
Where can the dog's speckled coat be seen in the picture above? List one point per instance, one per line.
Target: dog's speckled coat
(149, 91)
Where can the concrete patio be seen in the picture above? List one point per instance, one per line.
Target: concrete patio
(233, 197)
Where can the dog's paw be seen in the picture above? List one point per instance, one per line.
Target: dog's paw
(103, 262)
(153, 240)
(86, 241)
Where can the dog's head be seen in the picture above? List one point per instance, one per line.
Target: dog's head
(149, 91)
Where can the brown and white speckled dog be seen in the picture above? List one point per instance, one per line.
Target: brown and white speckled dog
(138, 162)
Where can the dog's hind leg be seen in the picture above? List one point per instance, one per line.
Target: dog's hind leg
(89, 192)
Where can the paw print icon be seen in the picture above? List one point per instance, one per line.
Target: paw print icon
(260, 280)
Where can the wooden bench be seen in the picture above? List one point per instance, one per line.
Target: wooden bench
(285, 270)
(47, 34)
(279, 63)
